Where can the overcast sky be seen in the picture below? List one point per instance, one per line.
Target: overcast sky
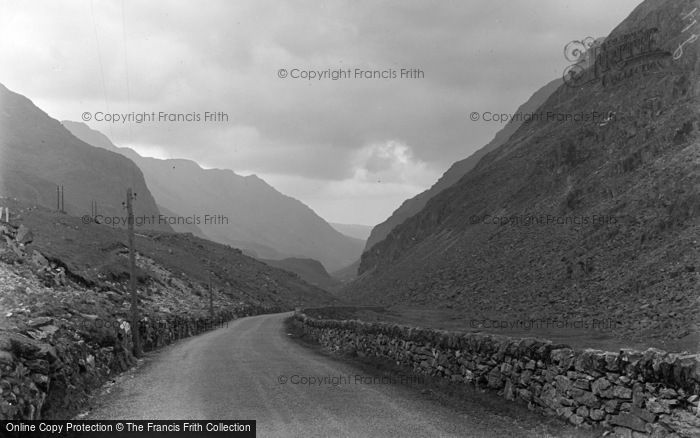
(352, 149)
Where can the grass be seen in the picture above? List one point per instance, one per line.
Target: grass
(448, 319)
(97, 256)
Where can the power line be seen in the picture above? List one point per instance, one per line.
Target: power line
(99, 59)
(126, 64)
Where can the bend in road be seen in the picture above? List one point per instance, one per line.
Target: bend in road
(237, 373)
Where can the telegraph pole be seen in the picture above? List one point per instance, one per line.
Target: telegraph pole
(211, 297)
(60, 204)
(132, 277)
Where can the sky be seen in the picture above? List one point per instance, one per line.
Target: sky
(354, 148)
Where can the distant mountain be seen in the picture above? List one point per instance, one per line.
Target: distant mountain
(346, 274)
(184, 227)
(357, 231)
(573, 219)
(37, 153)
(309, 270)
(412, 206)
(261, 221)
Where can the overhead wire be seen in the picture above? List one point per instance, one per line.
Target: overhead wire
(99, 59)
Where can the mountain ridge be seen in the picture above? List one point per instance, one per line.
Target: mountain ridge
(459, 168)
(309, 270)
(262, 220)
(37, 154)
(355, 231)
(569, 219)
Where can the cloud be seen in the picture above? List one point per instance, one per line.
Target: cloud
(184, 57)
(382, 175)
(391, 162)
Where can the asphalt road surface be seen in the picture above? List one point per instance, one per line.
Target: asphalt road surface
(238, 372)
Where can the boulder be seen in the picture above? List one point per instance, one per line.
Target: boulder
(563, 383)
(24, 235)
(629, 421)
(39, 260)
(602, 387)
(576, 420)
(622, 392)
(494, 378)
(39, 321)
(508, 390)
(582, 384)
(643, 414)
(597, 414)
(586, 398)
(582, 411)
(6, 358)
(682, 422)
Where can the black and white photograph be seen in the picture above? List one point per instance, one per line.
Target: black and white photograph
(350, 218)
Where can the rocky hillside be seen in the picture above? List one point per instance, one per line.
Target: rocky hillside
(412, 206)
(262, 221)
(309, 270)
(65, 304)
(574, 219)
(95, 255)
(37, 153)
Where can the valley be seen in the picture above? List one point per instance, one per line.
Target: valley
(196, 246)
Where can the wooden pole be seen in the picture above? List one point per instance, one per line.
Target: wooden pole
(211, 300)
(132, 271)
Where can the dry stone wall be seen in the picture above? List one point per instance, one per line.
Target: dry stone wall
(51, 379)
(61, 335)
(633, 393)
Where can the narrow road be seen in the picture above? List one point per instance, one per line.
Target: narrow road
(236, 373)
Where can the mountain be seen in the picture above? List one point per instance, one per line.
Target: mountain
(184, 267)
(37, 154)
(347, 273)
(574, 217)
(183, 227)
(353, 230)
(412, 206)
(309, 270)
(259, 219)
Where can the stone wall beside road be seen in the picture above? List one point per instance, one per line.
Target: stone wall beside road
(633, 393)
(49, 371)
